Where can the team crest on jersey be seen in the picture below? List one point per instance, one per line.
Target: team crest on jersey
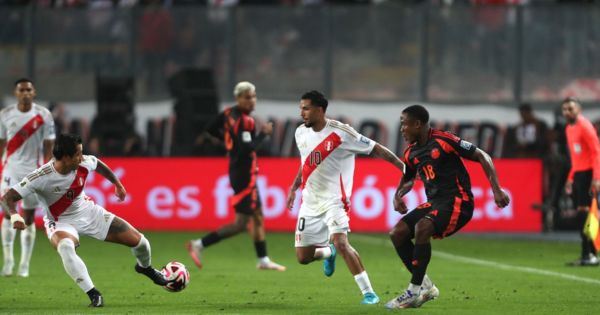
(328, 145)
(70, 194)
(416, 161)
(435, 153)
(80, 181)
(35, 124)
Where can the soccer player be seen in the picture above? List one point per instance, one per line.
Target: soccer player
(584, 176)
(327, 149)
(25, 128)
(237, 129)
(59, 185)
(435, 156)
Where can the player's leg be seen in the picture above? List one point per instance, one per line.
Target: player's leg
(27, 235)
(404, 231)
(64, 238)
(121, 232)
(581, 200)
(312, 240)
(195, 247)
(8, 239)
(7, 231)
(260, 244)
(355, 265)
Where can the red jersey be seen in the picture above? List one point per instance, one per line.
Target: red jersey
(584, 147)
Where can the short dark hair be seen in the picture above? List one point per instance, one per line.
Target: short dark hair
(316, 99)
(23, 80)
(525, 107)
(66, 145)
(570, 99)
(417, 112)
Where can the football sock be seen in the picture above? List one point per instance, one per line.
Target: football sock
(362, 279)
(405, 252)
(27, 241)
(74, 266)
(586, 244)
(142, 252)
(264, 260)
(322, 253)
(8, 238)
(421, 260)
(261, 248)
(210, 239)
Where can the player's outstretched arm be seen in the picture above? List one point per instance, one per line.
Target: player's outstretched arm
(500, 197)
(385, 153)
(107, 173)
(9, 204)
(292, 193)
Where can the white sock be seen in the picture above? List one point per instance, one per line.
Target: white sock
(198, 244)
(74, 266)
(427, 283)
(8, 239)
(415, 289)
(27, 241)
(264, 260)
(362, 279)
(142, 252)
(322, 253)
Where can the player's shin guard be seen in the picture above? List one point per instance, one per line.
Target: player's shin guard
(8, 238)
(406, 252)
(27, 242)
(420, 261)
(142, 252)
(74, 266)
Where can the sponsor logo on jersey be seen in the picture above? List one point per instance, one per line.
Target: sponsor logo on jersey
(57, 189)
(465, 144)
(435, 153)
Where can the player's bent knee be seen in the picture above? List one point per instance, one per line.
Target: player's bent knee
(65, 245)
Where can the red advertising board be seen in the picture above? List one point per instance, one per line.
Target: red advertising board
(194, 194)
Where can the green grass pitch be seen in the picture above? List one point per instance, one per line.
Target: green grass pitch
(474, 275)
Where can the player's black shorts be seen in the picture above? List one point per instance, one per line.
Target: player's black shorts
(245, 198)
(582, 181)
(448, 215)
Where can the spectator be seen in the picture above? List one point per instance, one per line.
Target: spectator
(529, 138)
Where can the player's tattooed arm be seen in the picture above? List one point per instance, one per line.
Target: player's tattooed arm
(9, 204)
(500, 197)
(385, 153)
(107, 173)
(293, 188)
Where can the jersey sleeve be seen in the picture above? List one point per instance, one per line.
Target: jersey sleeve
(215, 127)
(451, 143)
(49, 129)
(28, 185)
(411, 170)
(2, 129)
(590, 138)
(355, 142)
(90, 162)
(247, 137)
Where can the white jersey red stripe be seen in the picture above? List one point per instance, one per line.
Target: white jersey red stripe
(62, 194)
(327, 158)
(25, 133)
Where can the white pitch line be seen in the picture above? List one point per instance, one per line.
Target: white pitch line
(482, 262)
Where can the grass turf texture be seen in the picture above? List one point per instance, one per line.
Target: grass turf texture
(231, 284)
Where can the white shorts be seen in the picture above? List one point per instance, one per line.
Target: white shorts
(315, 230)
(93, 222)
(8, 180)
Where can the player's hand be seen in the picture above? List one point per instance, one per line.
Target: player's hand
(120, 191)
(399, 204)
(267, 128)
(595, 186)
(290, 199)
(501, 198)
(569, 187)
(17, 221)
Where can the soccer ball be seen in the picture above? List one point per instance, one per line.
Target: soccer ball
(176, 271)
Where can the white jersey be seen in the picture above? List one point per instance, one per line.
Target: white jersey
(327, 159)
(62, 195)
(24, 134)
